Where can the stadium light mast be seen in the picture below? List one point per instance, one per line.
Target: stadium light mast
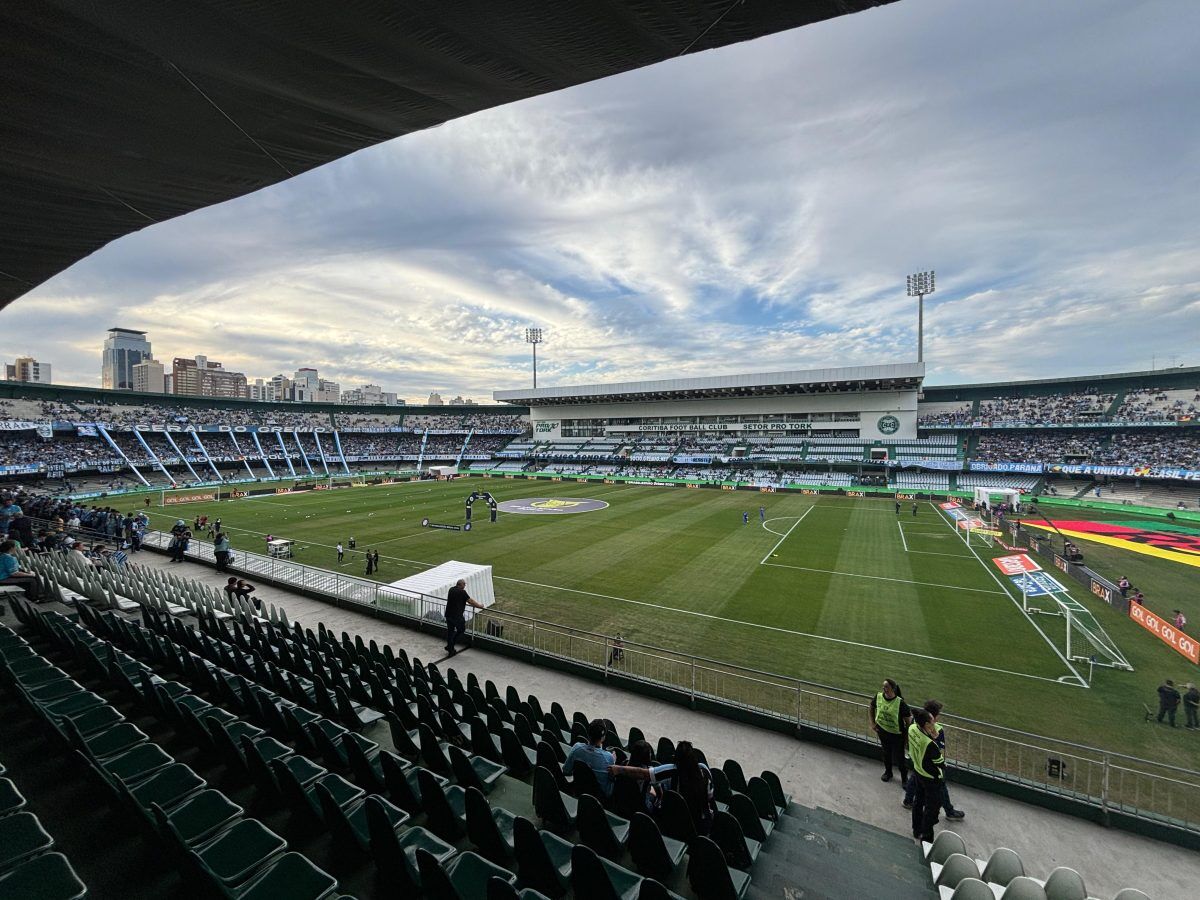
(919, 285)
(534, 336)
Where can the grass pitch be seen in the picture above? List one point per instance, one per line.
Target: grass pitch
(834, 590)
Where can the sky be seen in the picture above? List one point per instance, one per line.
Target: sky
(750, 209)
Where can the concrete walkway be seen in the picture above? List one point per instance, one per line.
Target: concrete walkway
(815, 776)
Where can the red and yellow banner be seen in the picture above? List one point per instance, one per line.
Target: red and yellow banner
(1177, 546)
(1166, 632)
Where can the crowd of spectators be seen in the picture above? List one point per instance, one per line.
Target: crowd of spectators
(466, 421)
(1151, 404)
(1053, 409)
(1120, 448)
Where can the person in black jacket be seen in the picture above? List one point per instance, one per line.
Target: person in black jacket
(1168, 701)
(929, 765)
(457, 600)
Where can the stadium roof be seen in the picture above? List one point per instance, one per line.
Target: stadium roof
(898, 376)
(121, 115)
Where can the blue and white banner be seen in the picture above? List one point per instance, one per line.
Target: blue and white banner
(1124, 471)
(1037, 584)
(1028, 468)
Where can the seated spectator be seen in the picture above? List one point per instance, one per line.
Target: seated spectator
(12, 573)
(593, 755)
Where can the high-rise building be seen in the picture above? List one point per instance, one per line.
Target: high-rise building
(26, 368)
(149, 377)
(123, 349)
(202, 377)
(435, 399)
(371, 395)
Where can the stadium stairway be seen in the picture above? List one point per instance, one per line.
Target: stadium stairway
(813, 849)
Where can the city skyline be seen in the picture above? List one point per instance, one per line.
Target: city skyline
(755, 208)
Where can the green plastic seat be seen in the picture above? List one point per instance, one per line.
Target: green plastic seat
(489, 829)
(445, 808)
(198, 818)
(109, 743)
(137, 764)
(239, 853)
(293, 876)
(743, 809)
(474, 771)
(1003, 866)
(21, 837)
(595, 878)
(349, 825)
(168, 788)
(465, 877)
(764, 800)
(543, 858)
(653, 855)
(556, 809)
(94, 720)
(956, 868)
(11, 800)
(972, 889)
(601, 830)
(710, 877)
(740, 851)
(46, 877)
(394, 851)
(71, 706)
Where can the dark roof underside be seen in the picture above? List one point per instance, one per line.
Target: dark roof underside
(117, 115)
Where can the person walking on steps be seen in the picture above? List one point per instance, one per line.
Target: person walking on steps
(457, 601)
(888, 717)
(934, 708)
(929, 765)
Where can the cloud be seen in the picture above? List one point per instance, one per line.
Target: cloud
(753, 208)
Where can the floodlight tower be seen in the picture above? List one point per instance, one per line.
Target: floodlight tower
(919, 285)
(534, 336)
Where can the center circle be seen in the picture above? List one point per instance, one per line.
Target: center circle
(550, 506)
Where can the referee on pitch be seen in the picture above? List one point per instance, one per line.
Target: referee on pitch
(889, 719)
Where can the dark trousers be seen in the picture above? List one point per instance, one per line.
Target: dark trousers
(1168, 712)
(454, 630)
(925, 807)
(28, 583)
(893, 753)
(910, 792)
(222, 560)
(1193, 720)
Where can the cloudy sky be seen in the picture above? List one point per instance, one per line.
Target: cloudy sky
(754, 208)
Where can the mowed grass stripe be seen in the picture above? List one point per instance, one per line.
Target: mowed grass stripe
(972, 626)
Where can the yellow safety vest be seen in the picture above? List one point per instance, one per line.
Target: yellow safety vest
(887, 713)
(918, 740)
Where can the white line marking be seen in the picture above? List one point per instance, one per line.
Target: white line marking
(799, 519)
(953, 587)
(816, 637)
(903, 539)
(1016, 603)
(935, 553)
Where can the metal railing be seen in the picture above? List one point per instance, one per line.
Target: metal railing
(1106, 781)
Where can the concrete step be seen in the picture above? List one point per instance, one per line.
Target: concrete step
(816, 853)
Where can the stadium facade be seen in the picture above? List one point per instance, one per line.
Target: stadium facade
(859, 402)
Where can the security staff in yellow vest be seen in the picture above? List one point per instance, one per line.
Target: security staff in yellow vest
(929, 765)
(889, 717)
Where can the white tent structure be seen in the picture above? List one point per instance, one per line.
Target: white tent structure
(435, 584)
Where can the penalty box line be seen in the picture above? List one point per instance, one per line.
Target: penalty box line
(1082, 682)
